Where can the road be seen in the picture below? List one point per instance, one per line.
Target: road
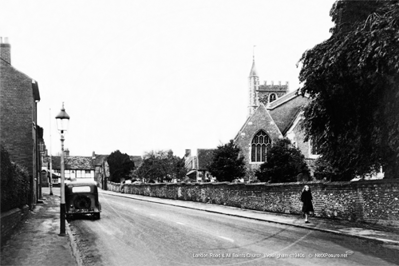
(134, 232)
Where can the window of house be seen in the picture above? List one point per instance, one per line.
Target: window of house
(273, 97)
(87, 171)
(259, 145)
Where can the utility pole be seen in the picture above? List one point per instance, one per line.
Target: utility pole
(51, 163)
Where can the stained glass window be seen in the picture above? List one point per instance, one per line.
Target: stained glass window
(260, 143)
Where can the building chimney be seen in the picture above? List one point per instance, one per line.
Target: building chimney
(66, 152)
(188, 153)
(5, 50)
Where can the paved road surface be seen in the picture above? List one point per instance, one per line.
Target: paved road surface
(132, 232)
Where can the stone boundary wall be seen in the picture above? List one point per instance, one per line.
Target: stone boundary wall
(11, 218)
(368, 201)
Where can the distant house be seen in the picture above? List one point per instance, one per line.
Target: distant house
(93, 167)
(76, 167)
(20, 133)
(197, 165)
(101, 169)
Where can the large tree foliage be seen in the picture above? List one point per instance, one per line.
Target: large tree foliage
(353, 81)
(284, 163)
(161, 166)
(120, 166)
(227, 163)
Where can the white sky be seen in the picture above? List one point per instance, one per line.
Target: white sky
(155, 74)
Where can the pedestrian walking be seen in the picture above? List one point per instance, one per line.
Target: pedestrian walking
(306, 198)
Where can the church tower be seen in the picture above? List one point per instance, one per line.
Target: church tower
(253, 89)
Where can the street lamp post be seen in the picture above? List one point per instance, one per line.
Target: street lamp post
(62, 125)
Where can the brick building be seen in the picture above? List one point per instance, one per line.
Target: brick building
(273, 113)
(20, 133)
(197, 164)
(101, 169)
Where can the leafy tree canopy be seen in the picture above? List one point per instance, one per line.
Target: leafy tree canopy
(284, 163)
(353, 81)
(227, 163)
(161, 166)
(120, 166)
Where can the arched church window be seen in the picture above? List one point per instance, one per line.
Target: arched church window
(259, 145)
(273, 97)
(314, 147)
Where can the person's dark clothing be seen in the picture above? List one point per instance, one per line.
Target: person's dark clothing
(306, 198)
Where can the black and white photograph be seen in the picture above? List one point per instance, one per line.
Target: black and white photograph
(199, 132)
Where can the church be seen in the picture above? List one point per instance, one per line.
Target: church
(273, 113)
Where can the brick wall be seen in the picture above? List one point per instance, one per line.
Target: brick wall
(17, 109)
(365, 201)
(10, 219)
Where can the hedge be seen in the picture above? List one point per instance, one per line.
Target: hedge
(14, 183)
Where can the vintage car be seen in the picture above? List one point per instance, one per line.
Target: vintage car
(81, 197)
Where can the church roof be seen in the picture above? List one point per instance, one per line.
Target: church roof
(260, 119)
(285, 98)
(285, 110)
(253, 69)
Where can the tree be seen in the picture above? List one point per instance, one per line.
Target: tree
(120, 166)
(161, 166)
(353, 82)
(323, 169)
(227, 163)
(284, 163)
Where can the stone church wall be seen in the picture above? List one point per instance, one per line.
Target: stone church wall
(365, 201)
(259, 121)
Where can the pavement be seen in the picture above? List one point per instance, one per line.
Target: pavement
(36, 241)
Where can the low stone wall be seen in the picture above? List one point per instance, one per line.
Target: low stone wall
(111, 186)
(366, 201)
(11, 218)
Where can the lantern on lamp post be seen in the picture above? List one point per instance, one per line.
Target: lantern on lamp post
(62, 125)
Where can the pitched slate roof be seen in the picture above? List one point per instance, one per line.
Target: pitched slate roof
(99, 159)
(285, 110)
(205, 157)
(79, 163)
(85, 162)
(71, 162)
(285, 98)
